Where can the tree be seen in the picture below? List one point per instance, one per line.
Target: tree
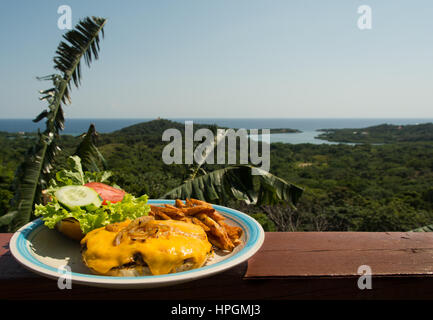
(32, 175)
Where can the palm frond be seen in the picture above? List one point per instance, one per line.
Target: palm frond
(81, 42)
(237, 183)
(32, 174)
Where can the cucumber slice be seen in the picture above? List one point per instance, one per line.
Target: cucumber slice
(78, 196)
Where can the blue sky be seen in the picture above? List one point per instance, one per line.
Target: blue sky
(228, 58)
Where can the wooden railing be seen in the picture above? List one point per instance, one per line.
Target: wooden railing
(290, 265)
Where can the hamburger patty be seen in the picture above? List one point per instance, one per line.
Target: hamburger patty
(145, 246)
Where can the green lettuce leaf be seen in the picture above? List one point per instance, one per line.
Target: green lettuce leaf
(92, 217)
(129, 208)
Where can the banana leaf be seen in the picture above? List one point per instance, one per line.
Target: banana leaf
(91, 157)
(32, 174)
(428, 228)
(237, 183)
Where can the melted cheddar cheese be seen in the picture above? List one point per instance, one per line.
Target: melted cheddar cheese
(162, 253)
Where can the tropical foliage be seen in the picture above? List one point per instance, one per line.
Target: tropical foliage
(239, 183)
(32, 175)
(346, 188)
(91, 157)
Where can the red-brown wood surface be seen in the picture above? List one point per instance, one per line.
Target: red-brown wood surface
(289, 266)
(324, 254)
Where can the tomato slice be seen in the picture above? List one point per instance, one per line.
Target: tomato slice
(107, 193)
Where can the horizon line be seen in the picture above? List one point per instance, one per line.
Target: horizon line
(227, 118)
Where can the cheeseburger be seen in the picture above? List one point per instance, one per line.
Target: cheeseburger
(145, 246)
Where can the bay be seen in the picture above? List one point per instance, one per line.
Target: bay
(308, 126)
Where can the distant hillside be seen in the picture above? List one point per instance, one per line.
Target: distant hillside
(152, 131)
(149, 132)
(384, 133)
(285, 130)
(157, 126)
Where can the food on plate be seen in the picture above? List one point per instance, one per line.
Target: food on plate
(77, 201)
(106, 192)
(75, 210)
(201, 213)
(122, 235)
(73, 197)
(145, 246)
(172, 238)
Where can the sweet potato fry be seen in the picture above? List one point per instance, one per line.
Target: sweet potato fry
(172, 212)
(215, 241)
(157, 213)
(201, 213)
(215, 215)
(162, 216)
(201, 224)
(197, 209)
(217, 232)
(200, 203)
(153, 210)
(188, 203)
(233, 232)
(170, 206)
(179, 204)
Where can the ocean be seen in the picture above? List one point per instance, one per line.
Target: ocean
(306, 125)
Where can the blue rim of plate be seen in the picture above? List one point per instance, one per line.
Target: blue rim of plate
(253, 231)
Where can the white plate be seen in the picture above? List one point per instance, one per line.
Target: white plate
(46, 252)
